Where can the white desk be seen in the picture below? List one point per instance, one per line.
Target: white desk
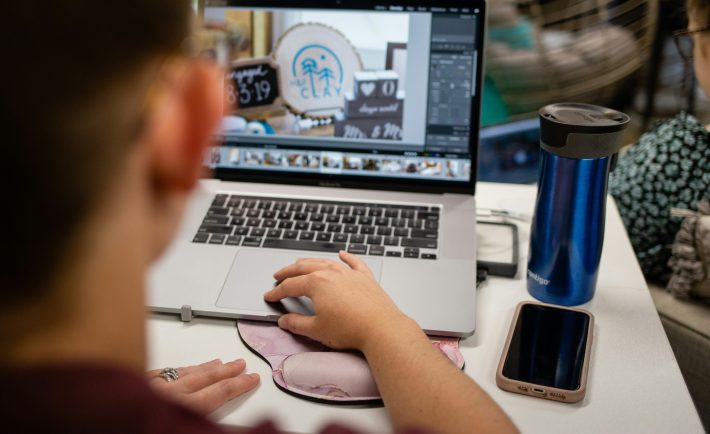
(635, 385)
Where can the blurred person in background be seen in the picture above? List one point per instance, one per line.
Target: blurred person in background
(669, 167)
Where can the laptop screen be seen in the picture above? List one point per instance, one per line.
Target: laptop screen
(361, 91)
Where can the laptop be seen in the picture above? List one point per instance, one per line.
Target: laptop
(357, 129)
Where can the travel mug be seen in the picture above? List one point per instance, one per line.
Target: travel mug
(578, 147)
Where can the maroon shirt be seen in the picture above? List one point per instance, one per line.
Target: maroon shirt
(98, 400)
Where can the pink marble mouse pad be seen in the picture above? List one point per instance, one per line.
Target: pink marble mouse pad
(309, 369)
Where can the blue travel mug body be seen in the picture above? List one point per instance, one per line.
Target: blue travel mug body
(579, 143)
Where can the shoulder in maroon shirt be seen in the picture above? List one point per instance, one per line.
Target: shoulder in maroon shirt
(85, 399)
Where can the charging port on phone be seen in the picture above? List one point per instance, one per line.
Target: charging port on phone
(538, 390)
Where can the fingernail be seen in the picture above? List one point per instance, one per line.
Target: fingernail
(282, 322)
(254, 375)
(240, 361)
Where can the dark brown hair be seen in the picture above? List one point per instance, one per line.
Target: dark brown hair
(73, 84)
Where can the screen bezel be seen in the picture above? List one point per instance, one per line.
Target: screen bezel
(370, 182)
(571, 393)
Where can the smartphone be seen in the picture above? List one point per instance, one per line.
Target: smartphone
(547, 352)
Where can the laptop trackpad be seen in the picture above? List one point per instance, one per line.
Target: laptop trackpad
(251, 275)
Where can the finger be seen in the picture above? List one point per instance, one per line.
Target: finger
(200, 379)
(216, 395)
(303, 266)
(299, 324)
(355, 263)
(186, 369)
(292, 287)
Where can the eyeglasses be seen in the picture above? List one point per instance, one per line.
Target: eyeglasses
(684, 42)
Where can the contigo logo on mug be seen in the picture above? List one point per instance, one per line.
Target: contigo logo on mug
(538, 278)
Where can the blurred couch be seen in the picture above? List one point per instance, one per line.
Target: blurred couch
(687, 324)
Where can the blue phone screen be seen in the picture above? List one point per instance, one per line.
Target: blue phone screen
(548, 347)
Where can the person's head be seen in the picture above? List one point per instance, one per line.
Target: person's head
(104, 125)
(699, 18)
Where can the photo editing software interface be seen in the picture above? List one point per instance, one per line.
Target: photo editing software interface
(384, 92)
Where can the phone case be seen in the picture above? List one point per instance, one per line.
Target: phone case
(540, 391)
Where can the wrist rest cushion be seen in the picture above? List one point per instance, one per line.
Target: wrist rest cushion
(311, 370)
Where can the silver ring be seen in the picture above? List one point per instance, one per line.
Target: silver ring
(169, 374)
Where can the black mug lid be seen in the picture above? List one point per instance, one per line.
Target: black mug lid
(576, 130)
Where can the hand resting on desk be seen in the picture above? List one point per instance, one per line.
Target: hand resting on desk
(206, 387)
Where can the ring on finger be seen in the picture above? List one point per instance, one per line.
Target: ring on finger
(169, 374)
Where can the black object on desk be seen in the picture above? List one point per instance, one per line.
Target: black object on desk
(497, 248)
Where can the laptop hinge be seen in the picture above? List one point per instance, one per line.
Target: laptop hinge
(186, 313)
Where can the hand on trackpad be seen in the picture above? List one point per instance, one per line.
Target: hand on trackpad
(302, 305)
(251, 275)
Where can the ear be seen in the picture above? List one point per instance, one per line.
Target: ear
(182, 123)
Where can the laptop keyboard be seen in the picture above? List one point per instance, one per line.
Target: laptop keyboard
(407, 231)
